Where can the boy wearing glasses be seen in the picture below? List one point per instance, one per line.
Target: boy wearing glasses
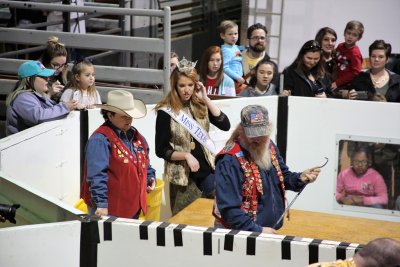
(257, 36)
(349, 58)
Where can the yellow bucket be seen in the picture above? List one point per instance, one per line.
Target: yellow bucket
(81, 205)
(154, 199)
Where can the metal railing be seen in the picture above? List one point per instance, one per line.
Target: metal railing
(104, 43)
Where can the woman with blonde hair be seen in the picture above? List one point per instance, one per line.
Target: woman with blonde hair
(182, 140)
(29, 104)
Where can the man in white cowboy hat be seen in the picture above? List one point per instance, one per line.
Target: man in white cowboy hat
(117, 167)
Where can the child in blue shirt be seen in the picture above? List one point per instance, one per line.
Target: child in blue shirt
(231, 54)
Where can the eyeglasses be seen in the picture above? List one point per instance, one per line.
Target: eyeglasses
(360, 162)
(46, 78)
(312, 47)
(258, 38)
(58, 66)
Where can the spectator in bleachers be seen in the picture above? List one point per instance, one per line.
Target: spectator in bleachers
(29, 104)
(174, 59)
(118, 172)
(326, 37)
(83, 88)
(378, 83)
(349, 59)
(261, 80)
(258, 39)
(182, 140)
(231, 54)
(306, 76)
(55, 57)
(212, 73)
(360, 184)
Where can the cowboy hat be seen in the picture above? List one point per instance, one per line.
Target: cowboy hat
(123, 102)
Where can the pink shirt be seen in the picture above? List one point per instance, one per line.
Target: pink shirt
(370, 185)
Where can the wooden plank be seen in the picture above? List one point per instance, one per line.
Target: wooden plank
(304, 224)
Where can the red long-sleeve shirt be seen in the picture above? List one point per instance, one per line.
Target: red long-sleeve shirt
(349, 62)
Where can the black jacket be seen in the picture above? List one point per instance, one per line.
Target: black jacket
(363, 82)
(300, 86)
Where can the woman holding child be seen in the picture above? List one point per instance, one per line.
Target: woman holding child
(182, 125)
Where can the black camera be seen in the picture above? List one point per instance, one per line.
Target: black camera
(8, 212)
(362, 95)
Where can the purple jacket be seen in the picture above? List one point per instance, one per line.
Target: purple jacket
(29, 109)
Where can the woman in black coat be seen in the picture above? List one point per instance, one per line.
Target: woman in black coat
(306, 76)
(378, 83)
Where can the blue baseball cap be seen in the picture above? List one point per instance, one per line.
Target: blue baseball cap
(32, 68)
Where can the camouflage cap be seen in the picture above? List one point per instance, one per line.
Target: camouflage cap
(254, 119)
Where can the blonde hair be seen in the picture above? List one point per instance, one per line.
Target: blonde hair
(77, 71)
(53, 49)
(173, 100)
(24, 85)
(225, 25)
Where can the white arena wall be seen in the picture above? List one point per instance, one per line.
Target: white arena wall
(301, 20)
(51, 164)
(45, 159)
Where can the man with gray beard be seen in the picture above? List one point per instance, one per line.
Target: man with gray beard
(251, 177)
(257, 38)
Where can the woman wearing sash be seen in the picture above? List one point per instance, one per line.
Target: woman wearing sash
(182, 125)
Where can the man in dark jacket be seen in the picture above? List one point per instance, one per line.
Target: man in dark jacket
(251, 177)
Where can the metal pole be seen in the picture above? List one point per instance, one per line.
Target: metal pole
(167, 48)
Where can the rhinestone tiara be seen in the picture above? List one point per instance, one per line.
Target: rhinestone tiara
(186, 66)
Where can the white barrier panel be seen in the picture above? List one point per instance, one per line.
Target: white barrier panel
(131, 242)
(36, 207)
(46, 157)
(45, 245)
(313, 127)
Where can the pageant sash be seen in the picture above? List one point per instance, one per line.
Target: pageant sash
(193, 128)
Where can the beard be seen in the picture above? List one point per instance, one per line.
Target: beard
(258, 48)
(260, 153)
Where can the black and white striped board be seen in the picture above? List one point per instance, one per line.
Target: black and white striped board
(196, 246)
